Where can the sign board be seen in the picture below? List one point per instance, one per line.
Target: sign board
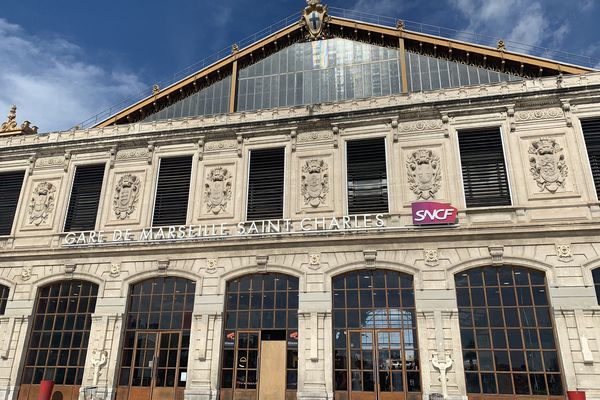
(433, 213)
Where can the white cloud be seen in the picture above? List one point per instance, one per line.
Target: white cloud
(520, 21)
(51, 85)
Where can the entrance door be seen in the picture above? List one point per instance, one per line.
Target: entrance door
(155, 366)
(272, 365)
(377, 367)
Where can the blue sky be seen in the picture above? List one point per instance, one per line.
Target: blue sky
(63, 61)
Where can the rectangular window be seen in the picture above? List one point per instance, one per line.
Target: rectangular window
(172, 191)
(367, 176)
(85, 197)
(10, 190)
(591, 134)
(483, 169)
(265, 184)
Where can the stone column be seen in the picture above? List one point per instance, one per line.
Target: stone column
(205, 348)
(439, 344)
(104, 352)
(314, 347)
(14, 327)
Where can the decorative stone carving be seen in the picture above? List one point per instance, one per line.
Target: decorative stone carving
(497, 254)
(70, 269)
(211, 265)
(26, 273)
(564, 253)
(222, 145)
(115, 270)
(126, 196)
(420, 126)
(315, 182)
(532, 115)
(50, 162)
(370, 257)
(11, 120)
(132, 154)
(314, 18)
(163, 265)
(261, 263)
(442, 364)
(424, 174)
(217, 190)
(99, 360)
(306, 137)
(547, 164)
(431, 257)
(42, 203)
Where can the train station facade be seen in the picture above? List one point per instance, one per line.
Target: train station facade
(340, 210)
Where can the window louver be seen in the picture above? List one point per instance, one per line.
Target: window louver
(265, 184)
(367, 176)
(172, 191)
(85, 197)
(10, 191)
(591, 134)
(483, 168)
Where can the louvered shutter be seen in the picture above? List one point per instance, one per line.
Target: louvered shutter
(367, 176)
(85, 197)
(591, 134)
(172, 191)
(10, 191)
(265, 184)
(483, 168)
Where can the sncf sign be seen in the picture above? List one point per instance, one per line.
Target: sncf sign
(432, 213)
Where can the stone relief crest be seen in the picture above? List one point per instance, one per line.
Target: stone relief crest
(547, 164)
(314, 17)
(424, 174)
(217, 190)
(126, 196)
(315, 182)
(41, 204)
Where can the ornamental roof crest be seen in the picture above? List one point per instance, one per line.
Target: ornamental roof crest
(10, 125)
(314, 17)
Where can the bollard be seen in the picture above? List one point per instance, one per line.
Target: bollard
(46, 388)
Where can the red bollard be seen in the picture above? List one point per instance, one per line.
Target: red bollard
(46, 388)
(576, 395)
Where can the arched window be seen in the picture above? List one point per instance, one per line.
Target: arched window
(596, 276)
(375, 336)
(157, 338)
(507, 334)
(260, 337)
(59, 338)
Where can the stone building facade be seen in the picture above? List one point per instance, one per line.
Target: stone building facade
(542, 245)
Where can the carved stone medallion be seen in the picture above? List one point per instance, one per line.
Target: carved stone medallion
(424, 174)
(315, 182)
(41, 204)
(126, 196)
(547, 164)
(217, 190)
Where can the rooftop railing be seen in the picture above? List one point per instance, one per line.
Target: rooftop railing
(419, 27)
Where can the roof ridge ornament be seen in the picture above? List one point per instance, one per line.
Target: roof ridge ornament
(314, 18)
(10, 125)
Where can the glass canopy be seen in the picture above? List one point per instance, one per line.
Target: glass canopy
(324, 71)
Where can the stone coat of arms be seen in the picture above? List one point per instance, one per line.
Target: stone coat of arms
(314, 18)
(315, 182)
(424, 175)
(217, 190)
(41, 203)
(547, 164)
(127, 193)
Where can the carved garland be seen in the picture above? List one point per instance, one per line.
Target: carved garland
(424, 174)
(315, 182)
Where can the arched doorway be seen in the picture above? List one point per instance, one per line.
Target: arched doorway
(157, 338)
(58, 342)
(375, 336)
(260, 338)
(507, 334)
